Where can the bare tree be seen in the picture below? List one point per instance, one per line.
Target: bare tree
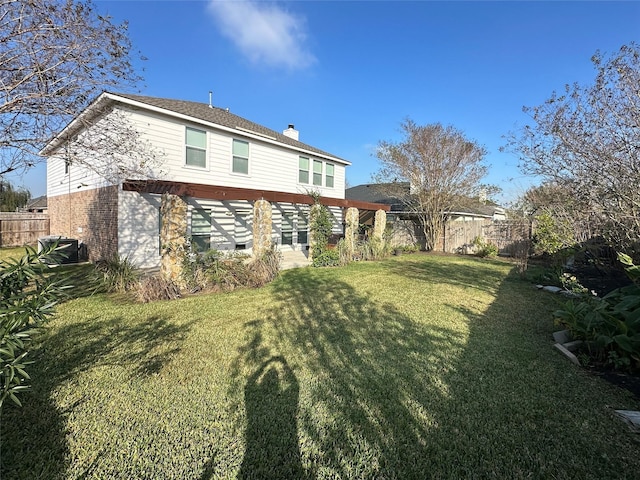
(55, 57)
(587, 141)
(442, 168)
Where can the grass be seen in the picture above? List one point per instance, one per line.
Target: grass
(421, 366)
(11, 252)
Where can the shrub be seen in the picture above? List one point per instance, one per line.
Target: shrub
(410, 248)
(266, 268)
(119, 274)
(156, 287)
(219, 271)
(373, 248)
(610, 326)
(328, 258)
(551, 234)
(320, 228)
(344, 255)
(29, 291)
(484, 248)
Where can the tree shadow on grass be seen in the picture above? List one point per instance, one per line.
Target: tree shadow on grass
(34, 437)
(516, 408)
(383, 395)
(364, 364)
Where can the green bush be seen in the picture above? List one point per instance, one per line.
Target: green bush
(29, 291)
(373, 248)
(609, 326)
(320, 228)
(410, 248)
(328, 258)
(551, 235)
(484, 248)
(119, 274)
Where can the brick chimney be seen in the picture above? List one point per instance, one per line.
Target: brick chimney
(291, 132)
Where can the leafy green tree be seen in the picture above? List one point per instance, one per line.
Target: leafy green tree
(551, 234)
(12, 199)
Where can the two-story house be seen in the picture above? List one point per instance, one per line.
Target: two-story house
(219, 165)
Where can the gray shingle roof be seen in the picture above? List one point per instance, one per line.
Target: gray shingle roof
(382, 193)
(220, 116)
(38, 202)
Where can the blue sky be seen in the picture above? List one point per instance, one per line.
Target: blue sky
(347, 73)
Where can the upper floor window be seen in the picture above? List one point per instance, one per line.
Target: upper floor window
(303, 170)
(329, 174)
(67, 165)
(317, 173)
(196, 142)
(240, 163)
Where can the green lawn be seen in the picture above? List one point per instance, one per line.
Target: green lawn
(421, 366)
(11, 252)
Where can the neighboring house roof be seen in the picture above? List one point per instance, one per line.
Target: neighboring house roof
(192, 111)
(375, 193)
(37, 203)
(380, 193)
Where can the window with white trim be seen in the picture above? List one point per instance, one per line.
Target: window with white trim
(303, 170)
(196, 147)
(240, 162)
(288, 219)
(201, 229)
(242, 229)
(303, 228)
(329, 175)
(317, 173)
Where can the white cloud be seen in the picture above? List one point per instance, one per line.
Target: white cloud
(264, 32)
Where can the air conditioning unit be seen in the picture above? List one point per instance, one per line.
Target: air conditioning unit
(68, 247)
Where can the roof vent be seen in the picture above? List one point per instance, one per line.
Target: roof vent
(291, 132)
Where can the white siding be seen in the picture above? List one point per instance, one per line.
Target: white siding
(278, 211)
(139, 228)
(336, 213)
(271, 167)
(78, 179)
(231, 223)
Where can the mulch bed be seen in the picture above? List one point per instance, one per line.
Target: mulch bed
(602, 280)
(623, 380)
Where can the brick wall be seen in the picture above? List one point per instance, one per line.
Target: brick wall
(90, 216)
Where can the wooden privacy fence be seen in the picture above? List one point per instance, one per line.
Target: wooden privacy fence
(17, 229)
(508, 235)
